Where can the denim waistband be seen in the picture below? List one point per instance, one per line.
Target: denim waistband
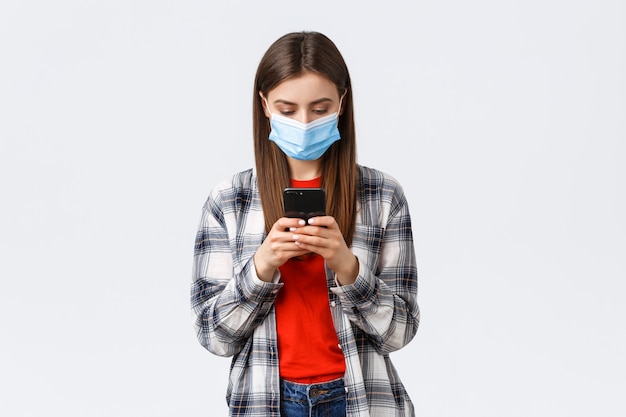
(319, 392)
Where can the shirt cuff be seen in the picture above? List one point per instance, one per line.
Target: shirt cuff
(255, 287)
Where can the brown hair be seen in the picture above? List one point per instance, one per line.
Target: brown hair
(288, 57)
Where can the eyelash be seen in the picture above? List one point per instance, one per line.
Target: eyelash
(291, 112)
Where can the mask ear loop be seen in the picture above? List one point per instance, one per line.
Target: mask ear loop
(267, 106)
(340, 110)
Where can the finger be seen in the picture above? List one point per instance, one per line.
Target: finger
(288, 223)
(325, 221)
(311, 241)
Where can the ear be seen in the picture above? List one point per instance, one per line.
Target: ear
(264, 104)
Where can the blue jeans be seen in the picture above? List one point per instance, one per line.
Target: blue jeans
(327, 399)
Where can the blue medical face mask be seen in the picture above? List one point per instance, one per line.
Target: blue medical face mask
(304, 141)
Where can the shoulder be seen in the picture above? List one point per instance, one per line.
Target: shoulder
(379, 196)
(240, 187)
(372, 182)
(243, 181)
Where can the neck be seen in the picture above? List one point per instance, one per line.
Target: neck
(304, 170)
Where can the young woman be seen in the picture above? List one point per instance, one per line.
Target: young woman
(309, 310)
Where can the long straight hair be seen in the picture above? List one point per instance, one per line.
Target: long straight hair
(289, 57)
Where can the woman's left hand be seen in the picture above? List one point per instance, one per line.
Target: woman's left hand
(322, 236)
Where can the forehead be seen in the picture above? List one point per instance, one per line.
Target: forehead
(305, 88)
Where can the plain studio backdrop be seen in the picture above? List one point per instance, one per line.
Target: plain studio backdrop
(504, 121)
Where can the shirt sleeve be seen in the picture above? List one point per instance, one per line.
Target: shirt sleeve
(228, 299)
(382, 302)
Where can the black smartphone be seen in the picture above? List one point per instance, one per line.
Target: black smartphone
(304, 203)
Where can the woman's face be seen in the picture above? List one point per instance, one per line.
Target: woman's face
(305, 98)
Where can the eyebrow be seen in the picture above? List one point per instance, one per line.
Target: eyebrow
(318, 101)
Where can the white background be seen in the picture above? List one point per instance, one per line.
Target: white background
(504, 121)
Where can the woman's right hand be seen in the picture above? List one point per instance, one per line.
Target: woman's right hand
(278, 247)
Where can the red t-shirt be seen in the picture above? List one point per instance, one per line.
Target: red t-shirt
(308, 348)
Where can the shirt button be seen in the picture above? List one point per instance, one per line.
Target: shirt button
(339, 346)
(333, 304)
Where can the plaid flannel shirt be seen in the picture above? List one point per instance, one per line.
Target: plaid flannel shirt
(233, 309)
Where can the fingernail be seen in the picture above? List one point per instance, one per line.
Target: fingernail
(311, 221)
(301, 222)
(292, 229)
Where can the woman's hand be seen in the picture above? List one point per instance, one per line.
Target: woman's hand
(278, 247)
(328, 242)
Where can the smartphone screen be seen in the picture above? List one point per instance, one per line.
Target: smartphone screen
(304, 203)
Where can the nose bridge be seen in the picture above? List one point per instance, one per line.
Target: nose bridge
(304, 116)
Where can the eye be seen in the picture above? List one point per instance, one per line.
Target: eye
(286, 110)
(320, 110)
